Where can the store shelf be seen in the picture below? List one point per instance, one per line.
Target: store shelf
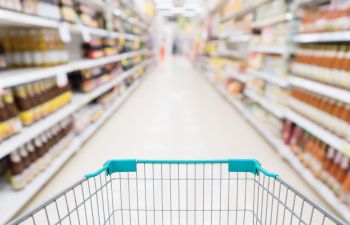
(319, 132)
(8, 17)
(286, 153)
(239, 38)
(126, 18)
(275, 79)
(12, 201)
(269, 50)
(322, 89)
(341, 36)
(305, 173)
(271, 21)
(231, 53)
(79, 100)
(22, 76)
(247, 9)
(28, 133)
(238, 76)
(312, 3)
(273, 108)
(94, 127)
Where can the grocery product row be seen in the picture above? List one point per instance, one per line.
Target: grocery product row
(289, 69)
(43, 147)
(91, 14)
(21, 48)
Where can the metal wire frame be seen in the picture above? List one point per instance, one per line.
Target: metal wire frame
(180, 194)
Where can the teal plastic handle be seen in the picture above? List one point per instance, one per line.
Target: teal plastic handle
(130, 165)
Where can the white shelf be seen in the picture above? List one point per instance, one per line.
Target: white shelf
(19, 198)
(245, 10)
(275, 79)
(239, 38)
(322, 89)
(318, 131)
(340, 36)
(22, 76)
(231, 53)
(273, 108)
(79, 100)
(123, 16)
(269, 49)
(271, 21)
(244, 78)
(8, 17)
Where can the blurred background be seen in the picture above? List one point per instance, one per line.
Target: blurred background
(85, 81)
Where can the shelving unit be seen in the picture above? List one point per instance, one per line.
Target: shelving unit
(275, 79)
(244, 78)
(278, 51)
(322, 89)
(341, 36)
(271, 21)
(12, 201)
(245, 10)
(239, 38)
(8, 17)
(318, 131)
(276, 110)
(230, 53)
(269, 49)
(22, 76)
(286, 153)
(79, 100)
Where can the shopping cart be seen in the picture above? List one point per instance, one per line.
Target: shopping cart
(166, 192)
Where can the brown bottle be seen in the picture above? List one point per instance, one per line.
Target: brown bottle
(336, 109)
(22, 99)
(39, 147)
(345, 113)
(336, 165)
(327, 164)
(31, 150)
(3, 112)
(341, 173)
(33, 98)
(10, 105)
(346, 188)
(16, 166)
(25, 157)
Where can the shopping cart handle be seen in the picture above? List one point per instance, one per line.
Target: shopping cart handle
(248, 165)
(130, 165)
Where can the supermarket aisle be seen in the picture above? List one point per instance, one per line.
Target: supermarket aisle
(174, 114)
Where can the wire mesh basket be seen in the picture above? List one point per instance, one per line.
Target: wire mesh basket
(166, 192)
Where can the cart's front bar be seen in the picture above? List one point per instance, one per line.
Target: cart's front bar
(130, 165)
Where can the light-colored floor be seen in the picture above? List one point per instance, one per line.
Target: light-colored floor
(175, 114)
